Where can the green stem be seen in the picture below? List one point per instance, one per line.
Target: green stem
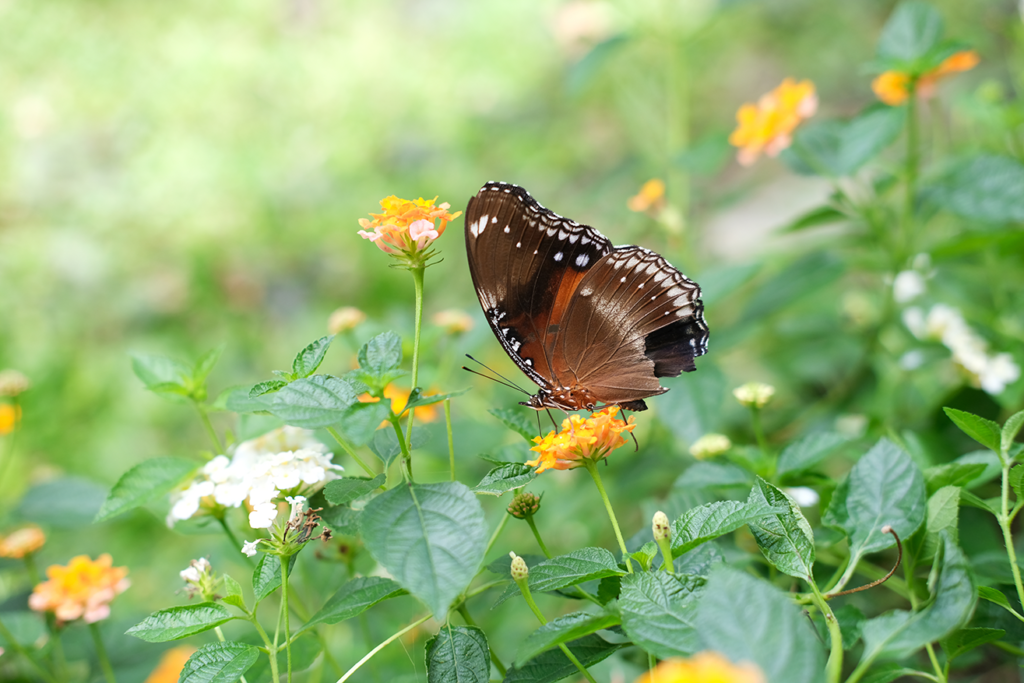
(1004, 524)
(464, 611)
(21, 650)
(231, 536)
(271, 647)
(536, 534)
(205, 417)
(755, 419)
(834, 667)
(451, 443)
(524, 587)
(652, 662)
(406, 457)
(287, 616)
(592, 468)
(497, 532)
(348, 449)
(371, 653)
(101, 653)
(417, 280)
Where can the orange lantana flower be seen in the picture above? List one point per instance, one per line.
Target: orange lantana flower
(407, 227)
(768, 125)
(581, 440)
(82, 589)
(10, 415)
(893, 87)
(171, 664)
(399, 396)
(22, 542)
(703, 667)
(650, 197)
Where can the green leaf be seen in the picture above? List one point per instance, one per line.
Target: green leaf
(458, 654)
(996, 596)
(985, 432)
(386, 447)
(507, 477)
(354, 598)
(180, 622)
(361, 421)
(952, 474)
(268, 387)
(344, 491)
(839, 148)
(943, 516)
(430, 538)
(26, 628)
(884, 488)
(417, 399)
(219, 663)
(648, 551)
(311, 402)
(309, 359)
(379, 359)
(984, 188)
(822, 215)
(785, 539)
(161, 374)
(562, 630)
(746, 619)
(968, 498)
(1010, 430)
(1017, 481)
(266, 577)
(554, 666)
(693, 406)
(659, 612)
(899, 633)
(808, 451)
(64, 503)
(706, 522)
(204, 366)
(913, 30)
(809, 274)
(579, 566)
(704, 475)
(147, 481)
(966, 639)
(305, 651)
(233, 592)
(516, 419)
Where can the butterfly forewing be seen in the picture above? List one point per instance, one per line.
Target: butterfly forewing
(526, 262)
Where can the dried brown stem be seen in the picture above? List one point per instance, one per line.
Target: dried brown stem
(899, 558)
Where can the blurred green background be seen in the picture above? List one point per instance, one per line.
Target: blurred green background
(178, 175)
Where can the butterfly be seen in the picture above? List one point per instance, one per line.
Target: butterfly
(590, 323)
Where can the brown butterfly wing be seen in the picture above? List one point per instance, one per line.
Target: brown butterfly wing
(526, 263)
(633, 318)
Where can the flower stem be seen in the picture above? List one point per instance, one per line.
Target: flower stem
(592, 468)
(348, 449)
(755, 419)
(1004, 523)
(497, 532)
(371, 653)
(524, 587)
(834, 667)
(271, 647)
(101, 653)
(17, 647)
(536, 534)
(451, 443)
(417, 280)
(287, 615)
(406, 456)
(205, 417)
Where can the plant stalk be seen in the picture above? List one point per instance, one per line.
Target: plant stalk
(451, 443)
(348, 449)
(834, 667)
(592, 468)
(536, 534)
(101, 653)
(371, 653)
(417, 280)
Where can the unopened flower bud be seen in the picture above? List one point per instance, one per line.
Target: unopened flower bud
(22, 542)
(754, 394)
(519, 569)
(196, 571)
(660, 526)
(710, 446)
(13, 383)
(524, 505)
(345, 319)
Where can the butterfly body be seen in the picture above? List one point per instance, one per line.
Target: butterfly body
(588, 322)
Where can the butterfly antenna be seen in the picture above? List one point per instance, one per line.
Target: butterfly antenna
(509, 382)
(506, 384)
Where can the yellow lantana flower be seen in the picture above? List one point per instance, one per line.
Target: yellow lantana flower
(9, 417)
(22, 542)
(703, 667)
(650, 197)
(768, 125)
(580, 440)
(83, 589)
(407, 227)
(171, 664)
(893, 87)
(399, 396)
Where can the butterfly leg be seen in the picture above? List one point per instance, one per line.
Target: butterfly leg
(636, 444)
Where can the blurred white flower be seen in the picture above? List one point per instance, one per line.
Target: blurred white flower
(852, 424)
(912, 359)
(913, 318)
(804, 496)
(286, 461)
(1000, 372)
(908, 285)
(709, 446)
(754, 394)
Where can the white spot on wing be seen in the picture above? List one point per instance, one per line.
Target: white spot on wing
(558, 256)
(494, 220)
(582, 260)
(507, 227)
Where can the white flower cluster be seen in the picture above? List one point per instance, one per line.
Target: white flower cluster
(282, 462)
(946, 324)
